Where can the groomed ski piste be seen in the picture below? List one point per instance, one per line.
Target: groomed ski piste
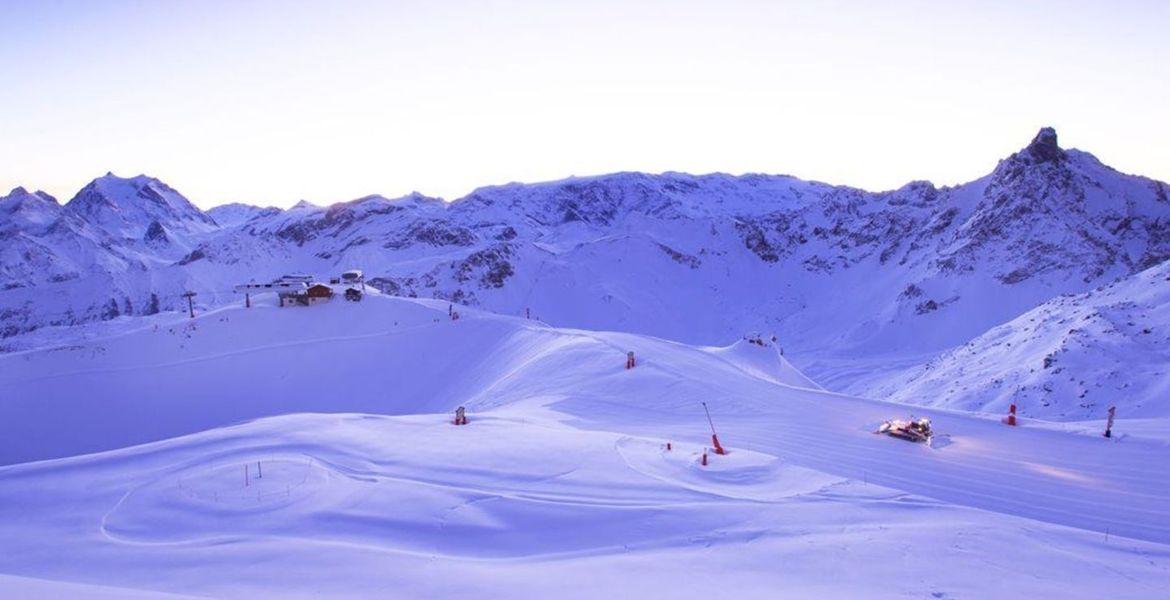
(310, 453)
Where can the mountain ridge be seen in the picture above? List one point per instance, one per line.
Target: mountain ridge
(834, 271)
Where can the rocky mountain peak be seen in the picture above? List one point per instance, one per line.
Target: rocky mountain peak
(1044, 147)
(1039, 163)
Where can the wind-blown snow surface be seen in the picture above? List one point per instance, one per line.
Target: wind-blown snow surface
(560, 485)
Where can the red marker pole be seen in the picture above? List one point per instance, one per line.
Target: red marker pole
(1011, 418)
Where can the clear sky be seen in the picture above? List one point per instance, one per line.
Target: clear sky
(269, 102)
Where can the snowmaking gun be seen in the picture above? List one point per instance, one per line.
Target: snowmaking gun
(913, 430)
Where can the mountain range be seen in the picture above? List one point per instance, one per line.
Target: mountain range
(897, 294)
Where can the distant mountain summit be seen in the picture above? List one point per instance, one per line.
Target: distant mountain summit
(25, 211)
(231, 215)
(127, 207)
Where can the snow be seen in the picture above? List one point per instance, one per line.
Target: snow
(26, 588)
(561, 483)
(236, 214)
(861, 288)
(310, 451)
(1069, 358)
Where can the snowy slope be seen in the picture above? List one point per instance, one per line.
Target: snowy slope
(562, 474)
(1069, 358)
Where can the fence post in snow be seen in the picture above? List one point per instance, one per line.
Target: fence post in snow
(245, 474)
(1109, 423)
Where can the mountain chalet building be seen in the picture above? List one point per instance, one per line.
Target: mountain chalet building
(308, 296)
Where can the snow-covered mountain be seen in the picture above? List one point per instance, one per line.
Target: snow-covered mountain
(105, 253)
(25, 211)
(837, 273)
(231, 215)
(1069, 358)
(140, 210)
(705, 258)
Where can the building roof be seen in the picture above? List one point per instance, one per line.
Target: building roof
(320, 289)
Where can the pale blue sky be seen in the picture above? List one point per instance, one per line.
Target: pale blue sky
(270, 102)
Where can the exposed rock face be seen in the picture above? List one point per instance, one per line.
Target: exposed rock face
(1044, 147)
(155, 233)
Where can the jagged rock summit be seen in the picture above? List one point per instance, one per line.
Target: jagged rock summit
(1044, 147)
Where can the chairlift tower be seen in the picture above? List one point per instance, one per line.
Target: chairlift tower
(190, 302)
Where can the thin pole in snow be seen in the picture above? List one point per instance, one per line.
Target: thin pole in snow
(709, 422)
(259, 471)
(245, 474)
(714, 436)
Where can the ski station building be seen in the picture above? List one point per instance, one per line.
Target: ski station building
(302, 290)
(308, 296)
